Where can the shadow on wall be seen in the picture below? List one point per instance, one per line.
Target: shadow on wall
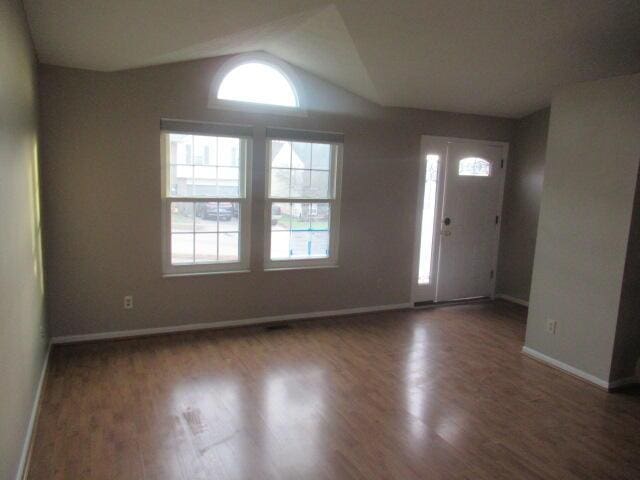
(625, 364)
(522, 196)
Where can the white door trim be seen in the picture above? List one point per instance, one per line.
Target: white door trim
(440, 145)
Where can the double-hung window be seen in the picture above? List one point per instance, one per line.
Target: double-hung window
(206, 197)
(303, 198)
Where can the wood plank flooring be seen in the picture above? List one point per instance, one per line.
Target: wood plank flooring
(425, 394)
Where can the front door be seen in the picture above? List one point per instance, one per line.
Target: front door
(461, 189)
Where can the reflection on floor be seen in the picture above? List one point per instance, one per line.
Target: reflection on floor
(433, 393)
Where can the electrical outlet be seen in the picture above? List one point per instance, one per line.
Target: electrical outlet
(551, 326)
(128, 302)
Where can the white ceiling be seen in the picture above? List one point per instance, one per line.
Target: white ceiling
(495, 57)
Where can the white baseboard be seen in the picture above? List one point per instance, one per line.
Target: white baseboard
(511, 299)
(224, 324)
(566, 368)
(26, 446)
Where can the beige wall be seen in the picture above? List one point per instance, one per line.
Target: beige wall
(22, 346)
(101, 177)
(591, 167)
(522, 194)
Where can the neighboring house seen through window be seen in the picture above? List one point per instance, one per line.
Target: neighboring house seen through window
(207, 179)
(303, 185)
(206, 203)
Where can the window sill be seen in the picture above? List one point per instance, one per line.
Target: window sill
(259, 108)
(202, 274)
(301, 267)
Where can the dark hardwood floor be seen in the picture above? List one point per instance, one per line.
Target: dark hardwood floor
(424, 394)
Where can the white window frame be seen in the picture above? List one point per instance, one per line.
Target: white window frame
(244, 242)
(337, 147)
(475, 159)
(264, 58)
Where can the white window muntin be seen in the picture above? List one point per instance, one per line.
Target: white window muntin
(243, 197)
(332, 198)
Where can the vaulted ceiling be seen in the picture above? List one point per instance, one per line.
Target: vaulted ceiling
(495, 57)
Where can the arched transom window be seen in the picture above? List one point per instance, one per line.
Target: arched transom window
(474, 167)
(258, 82)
